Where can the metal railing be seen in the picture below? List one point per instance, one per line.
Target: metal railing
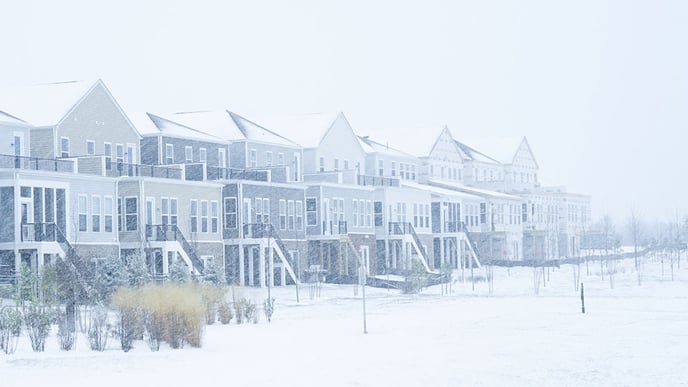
(378, 181)
(36, 163)
(134, 170)
(334, 228)
(217, 173)
(171, 233)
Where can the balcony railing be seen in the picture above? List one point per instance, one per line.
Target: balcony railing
(217, 173)
(162, 171)
(335, 228)
(36, 164)
(38, 232)
(378, 181)
(455, 226)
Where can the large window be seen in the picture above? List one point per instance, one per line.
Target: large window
(213, 216)
(361, 213)
(283, 214)
(230, 212)
(64, 147)
(108, 155)
(188, 154)
(169, 154)
(299, 215)
(290, 214)
(95, 213)
(194, 215)
(165, 210)
(204, 216)
(378, 213)
(173, 211)
(107, 213)
(131, 217)
(83, 215)
(311, 213)
(203, 155)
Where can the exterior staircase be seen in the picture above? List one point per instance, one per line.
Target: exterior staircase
(406, 228)
(268, 231)
(171, 233)
(469, 242)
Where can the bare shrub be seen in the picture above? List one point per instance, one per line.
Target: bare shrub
(10, 329)
(130, 321)
(66, 332)
(225, 312)
(38, 319)
(98, 331)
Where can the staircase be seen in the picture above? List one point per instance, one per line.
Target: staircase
(406, 228)
(171, 233)
(268, 231)
(474, 254)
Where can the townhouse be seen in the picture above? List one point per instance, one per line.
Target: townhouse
(270, 199)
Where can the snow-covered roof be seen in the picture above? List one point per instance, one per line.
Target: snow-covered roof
(501, 149)
(472, 190)
(143, 124)
(255, 132)
(8, 119)
(470, 153)
(43, 104)
(439, 190)
(414, 141)
(306, 130)
(371, 146)
(217, 123)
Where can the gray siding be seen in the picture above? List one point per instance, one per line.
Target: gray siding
(180, 145)
(237, 155)
(7, 214)
(42, 143)
(150, 154)
(96, 118)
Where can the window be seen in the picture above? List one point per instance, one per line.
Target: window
(381, 167)
(131, 213)
(25, 192)
(361, 213)
(64, 147)
(369, 213)
(120, 214)
(194, 215)
(173, 211)
(290, 214)
(204, 216)
(280, 158)
(221, 158)
(203, 155)
(283, 214)
(165, 210)
(169, 154)
(346, 165)
(230, 212)
(311, 214)
(483, 213)
(266, 210)
(415, 214)
(355, 211)
(322, 164)
(299, 215)
(95, 213)
(378, 213)
(82, 213)
(90, 147)
(427, 215)
(108, 155)
(259, 210)
(268, 158)
(254, 158)
(107, 213)
(120, 154)
(213, 216)
(394, 168)
(188, 154)
(524, 210)
(336, 164)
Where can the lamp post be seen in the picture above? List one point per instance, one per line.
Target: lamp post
(362, 280)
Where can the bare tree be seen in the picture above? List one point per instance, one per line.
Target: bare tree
(635, 230)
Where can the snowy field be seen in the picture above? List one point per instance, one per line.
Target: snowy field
(630, 336)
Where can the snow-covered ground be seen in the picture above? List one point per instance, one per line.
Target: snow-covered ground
(631, 335)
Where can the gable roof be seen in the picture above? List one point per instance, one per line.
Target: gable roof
(43, 104)
(370, 146)
(500, 149)
(306, 130)
(469, 153)
(8, 119)
(149, 124)
(472, 190)
(440, 191)
(255, 132)
(415, 141)
(217, 123)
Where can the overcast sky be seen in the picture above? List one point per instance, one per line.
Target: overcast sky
(598, 87)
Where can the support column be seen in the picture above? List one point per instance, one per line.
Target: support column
(242, 279)
(251, 271)
(261, 264)
(271, 267)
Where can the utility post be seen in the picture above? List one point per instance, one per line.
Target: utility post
(362, 280)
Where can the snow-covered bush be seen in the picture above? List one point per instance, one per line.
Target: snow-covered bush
(38, 319)
(415, 279)
(211, 296)
(66, 332)
(179, 272)
(98, 331)
(137, 271)
(224, 310)
(10, 329)
(130, 321)
(250, 310)
(214, 274)
(110, 275)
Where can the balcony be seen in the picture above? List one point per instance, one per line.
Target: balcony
(134, 170)
(36, 164)
(217, 173)
(378, 181)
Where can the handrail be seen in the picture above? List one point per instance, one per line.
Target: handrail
(36, 163)
(170, 232)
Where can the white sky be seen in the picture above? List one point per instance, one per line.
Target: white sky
(598, 87)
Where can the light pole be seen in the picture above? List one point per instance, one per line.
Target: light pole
(362, 279)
